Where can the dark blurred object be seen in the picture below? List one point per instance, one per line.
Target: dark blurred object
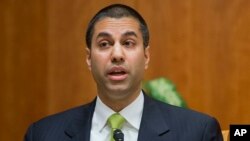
(118, 135)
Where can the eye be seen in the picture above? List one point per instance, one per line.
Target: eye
(129, 43)
(104, 44)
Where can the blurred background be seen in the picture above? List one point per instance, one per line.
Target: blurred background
(203, 47)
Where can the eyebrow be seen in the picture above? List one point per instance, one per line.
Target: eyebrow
(105, 34)
(129, 33)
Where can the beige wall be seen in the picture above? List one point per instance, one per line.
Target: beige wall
(202, 46)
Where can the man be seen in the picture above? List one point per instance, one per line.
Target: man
(117, 55)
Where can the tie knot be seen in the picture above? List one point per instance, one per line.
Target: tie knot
(116, 121)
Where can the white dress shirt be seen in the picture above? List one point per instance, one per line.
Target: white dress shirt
(100, 131)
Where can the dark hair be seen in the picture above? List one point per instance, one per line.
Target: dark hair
(117, 11)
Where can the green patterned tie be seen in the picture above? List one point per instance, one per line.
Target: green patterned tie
(115, 121)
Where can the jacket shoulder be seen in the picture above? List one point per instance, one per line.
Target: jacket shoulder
(53, 126)
(180, 113)
(64, 116)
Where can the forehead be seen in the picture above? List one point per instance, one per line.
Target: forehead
(117, 25)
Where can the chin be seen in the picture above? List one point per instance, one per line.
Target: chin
(118, 89)
(117, 86)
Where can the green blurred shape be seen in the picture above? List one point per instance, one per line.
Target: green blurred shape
(164, 90)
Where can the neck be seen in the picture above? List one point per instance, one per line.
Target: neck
(118, 100)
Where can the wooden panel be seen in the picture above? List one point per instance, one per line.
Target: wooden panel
(217, 83)
(202, 46)
(23, 73)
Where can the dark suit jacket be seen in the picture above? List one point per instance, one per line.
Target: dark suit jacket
(160, 122)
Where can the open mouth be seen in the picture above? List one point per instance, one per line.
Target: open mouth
(117, 74)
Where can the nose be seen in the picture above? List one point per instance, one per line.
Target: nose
(117, 55)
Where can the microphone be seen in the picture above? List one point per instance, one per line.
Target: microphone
(118, 135)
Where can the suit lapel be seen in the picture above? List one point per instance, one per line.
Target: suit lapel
(79, 129)
(153, 124)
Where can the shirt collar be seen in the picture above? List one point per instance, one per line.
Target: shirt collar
(132, 113)
(102, 113)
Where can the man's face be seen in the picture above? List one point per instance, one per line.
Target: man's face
(117, 58)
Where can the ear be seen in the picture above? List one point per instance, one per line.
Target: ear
(147, 56)
(88, 57)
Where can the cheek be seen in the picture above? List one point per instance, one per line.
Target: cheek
(137, 61)
(98, 61)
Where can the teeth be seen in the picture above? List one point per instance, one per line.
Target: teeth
(117, 72)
